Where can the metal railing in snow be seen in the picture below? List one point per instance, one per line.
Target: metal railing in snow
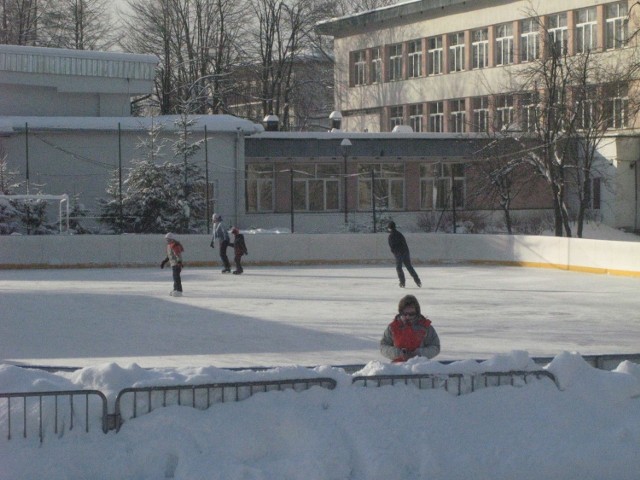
(143, 400)
(455, 382)
(56, 411)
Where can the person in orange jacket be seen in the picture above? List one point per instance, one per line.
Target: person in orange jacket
(410, 334)
(174, 257)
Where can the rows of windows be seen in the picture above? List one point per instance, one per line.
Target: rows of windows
(512, 112)
(407, 60)
(318, 187)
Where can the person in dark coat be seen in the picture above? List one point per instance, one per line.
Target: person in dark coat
(239, 249)
(400, 250)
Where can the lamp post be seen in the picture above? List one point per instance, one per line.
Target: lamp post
(345, 146)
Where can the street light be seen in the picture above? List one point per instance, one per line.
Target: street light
(345, 146)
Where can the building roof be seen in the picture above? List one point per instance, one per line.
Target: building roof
(88, 63)
(400, 12)
(214, 123)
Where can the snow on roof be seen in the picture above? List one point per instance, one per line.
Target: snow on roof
(214, 123)
(341, 26)
(339, 134)
(65, 52)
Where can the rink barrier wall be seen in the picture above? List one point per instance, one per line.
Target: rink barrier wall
(108, 251)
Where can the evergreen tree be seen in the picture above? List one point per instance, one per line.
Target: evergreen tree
(155, 196)
(9, 215)
(76, 211)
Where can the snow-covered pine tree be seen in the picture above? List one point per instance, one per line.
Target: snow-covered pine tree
(9, 215)
(153, 199)
(184, 150)
(76, 211)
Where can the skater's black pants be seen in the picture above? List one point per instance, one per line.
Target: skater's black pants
(237, 259)
(177, 281)
(223, 254)
(405, 259)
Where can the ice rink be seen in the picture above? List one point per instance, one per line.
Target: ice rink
(331, 315)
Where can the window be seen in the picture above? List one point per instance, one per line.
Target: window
(529, 111)
(440, 183)
(481, 114)
(558, 34)
(395, 62)
(617, 106)
(396, 116)
(504, 112)
(456, 52)
(436, 117)
(427, 186)
(435, 55)
(458, 116)
(586, 109)
(415, 58)
(376, 65)
(504, 44)
(259, 188)
(586, 30)
(416, 117)
(529, 40)
(593, 193)
(388, 187)
(480, 48)
(616, 25)
(359, 68)
(316, 188)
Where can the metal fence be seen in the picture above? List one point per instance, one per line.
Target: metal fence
(133, 402)
(43, 413)
(52, 413)
(455, 382)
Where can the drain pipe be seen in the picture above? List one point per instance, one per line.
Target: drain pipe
(634, 165)
(235, 177)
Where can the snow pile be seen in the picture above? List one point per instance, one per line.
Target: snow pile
(589, 428)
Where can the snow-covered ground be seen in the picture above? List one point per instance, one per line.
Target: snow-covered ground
(125, 330)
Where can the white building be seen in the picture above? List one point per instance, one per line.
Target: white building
(65, 124)
(445, 65)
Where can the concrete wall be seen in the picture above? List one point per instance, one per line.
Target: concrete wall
(60, 251)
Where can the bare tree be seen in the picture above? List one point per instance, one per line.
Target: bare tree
(78, 25)
(20, 21)
(581, 97)
(75, 24)
(602, 100)
(196, 42)
(499, 175)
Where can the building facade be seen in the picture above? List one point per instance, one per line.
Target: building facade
(66, 126)
(449, 66)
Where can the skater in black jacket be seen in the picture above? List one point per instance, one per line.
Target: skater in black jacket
(400, 250)
(239, 249)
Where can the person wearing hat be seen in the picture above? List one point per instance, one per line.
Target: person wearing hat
(174, 257)
(239, 249)
(221, 237)
(410, 334)
(400, 250)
